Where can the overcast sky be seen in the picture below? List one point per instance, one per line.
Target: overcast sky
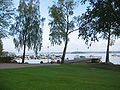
(74, 44)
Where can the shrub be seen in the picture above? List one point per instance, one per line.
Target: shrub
(6, 59)
(1, 47)
(58, 61)
(26, 62)
(52, 62)
(41, 62)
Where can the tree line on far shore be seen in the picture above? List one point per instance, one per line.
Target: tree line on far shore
(100, 21)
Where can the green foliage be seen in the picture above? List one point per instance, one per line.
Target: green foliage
(77, 76)
(60, 25)
(6, 13)
(102, 16)
(6, 59)
(101, 20)
(27, 29)
(1, 47)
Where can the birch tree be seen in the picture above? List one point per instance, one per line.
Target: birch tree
(62, 23)
(27, 28)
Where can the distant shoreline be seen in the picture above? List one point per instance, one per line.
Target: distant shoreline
(78, 52)
(74, 52)
(95, 52)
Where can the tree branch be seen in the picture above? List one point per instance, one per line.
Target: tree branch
(72, 31)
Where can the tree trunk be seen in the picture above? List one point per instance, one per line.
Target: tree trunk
(24, 48)
(23, 59)
(66, 42)
(107, 52)
(64, 51)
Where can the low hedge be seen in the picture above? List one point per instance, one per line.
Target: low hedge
(6, 59)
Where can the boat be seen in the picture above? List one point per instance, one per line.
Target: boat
(116, 55)
(92, 59)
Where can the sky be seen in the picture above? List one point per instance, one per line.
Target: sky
(74, 44)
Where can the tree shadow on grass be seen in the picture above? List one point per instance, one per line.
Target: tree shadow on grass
(104, 66)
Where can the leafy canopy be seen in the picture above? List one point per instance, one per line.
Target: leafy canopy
(105, 14)
(102, 17)
(61, 24)
(1, 47)
(6, 13)
(28, 26)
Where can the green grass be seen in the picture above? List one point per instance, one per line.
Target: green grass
(76, 76)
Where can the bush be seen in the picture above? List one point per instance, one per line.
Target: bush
(58, 61)
(1, 47)
(26, 62)
(41, 62)
(6, 59)
(52, 62)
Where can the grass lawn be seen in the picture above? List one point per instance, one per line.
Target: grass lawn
(76, 76)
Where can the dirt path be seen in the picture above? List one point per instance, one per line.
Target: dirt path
(3, 66)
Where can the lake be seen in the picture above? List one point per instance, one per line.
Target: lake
(113, 59)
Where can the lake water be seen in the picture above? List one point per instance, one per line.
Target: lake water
(113, 59)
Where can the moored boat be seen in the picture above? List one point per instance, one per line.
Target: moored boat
(116, 55)
(93, 59)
